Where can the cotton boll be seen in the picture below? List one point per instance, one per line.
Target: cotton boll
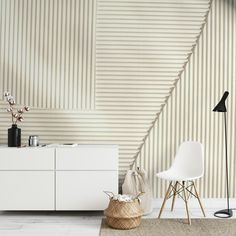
(20, 110)
(6, 94)
(123, 198)
(26, 108)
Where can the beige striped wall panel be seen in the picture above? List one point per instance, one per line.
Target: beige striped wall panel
(47, 52)
(188, 114)
(125, 128)
(141, 48)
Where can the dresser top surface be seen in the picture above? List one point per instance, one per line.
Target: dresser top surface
(64, 146)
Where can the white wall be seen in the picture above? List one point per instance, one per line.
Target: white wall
(115, 92)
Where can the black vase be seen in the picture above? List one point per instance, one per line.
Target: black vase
(14, 136)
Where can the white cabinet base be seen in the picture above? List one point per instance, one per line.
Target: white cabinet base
(67, 178)
(27, 190)
(83, 190)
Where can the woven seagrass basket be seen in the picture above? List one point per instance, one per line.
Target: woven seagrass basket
(123, 215)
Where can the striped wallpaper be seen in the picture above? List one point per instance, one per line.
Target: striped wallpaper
(105, 71)
(188, 114)
(141, 47)
(48, 52)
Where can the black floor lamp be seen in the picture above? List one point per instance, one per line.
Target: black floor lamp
(220, 107)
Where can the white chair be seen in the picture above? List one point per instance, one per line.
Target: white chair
(187, 166)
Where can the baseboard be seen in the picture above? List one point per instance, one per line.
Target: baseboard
(208, 203)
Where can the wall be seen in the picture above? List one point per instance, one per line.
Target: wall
(48, 51)
(188, 115)
(102, 72)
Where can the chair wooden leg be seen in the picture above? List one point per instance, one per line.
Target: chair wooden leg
(186, 202)
(199, 201)
(174, 195)
(164, 201)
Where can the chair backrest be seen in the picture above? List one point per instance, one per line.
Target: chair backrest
(189, 159)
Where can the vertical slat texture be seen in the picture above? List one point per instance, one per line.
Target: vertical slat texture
(40, 41)
(209, 72)
(141, 48)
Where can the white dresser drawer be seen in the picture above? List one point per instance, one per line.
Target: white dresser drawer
(27, 158)
(83, 190)
(87, 157)
(27, 190)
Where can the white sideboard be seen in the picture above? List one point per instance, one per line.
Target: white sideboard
(63, 178)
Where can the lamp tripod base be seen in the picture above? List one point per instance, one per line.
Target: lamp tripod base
(226, 213)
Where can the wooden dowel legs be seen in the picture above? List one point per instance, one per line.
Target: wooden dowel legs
(199, 201)
(166, 197)
(174, 195)
(177, 188)
(186, 202)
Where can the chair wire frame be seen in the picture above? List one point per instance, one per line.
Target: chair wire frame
(184, 190)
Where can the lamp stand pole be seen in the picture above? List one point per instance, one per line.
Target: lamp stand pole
(226, 163)
(226, 213)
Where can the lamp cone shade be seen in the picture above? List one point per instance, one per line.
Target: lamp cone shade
(220, 107)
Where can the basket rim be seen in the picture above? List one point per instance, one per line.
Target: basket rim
(123, 202)
(140, 214)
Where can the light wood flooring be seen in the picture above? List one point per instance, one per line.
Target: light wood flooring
(88, 223)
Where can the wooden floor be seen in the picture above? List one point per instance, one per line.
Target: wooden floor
(87, 223)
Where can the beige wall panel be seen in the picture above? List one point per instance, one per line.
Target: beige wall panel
(141, 49)
(48, 52)
(188, 115)
(48, 61)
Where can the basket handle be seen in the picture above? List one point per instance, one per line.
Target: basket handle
(109, 194)
(138, 195)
